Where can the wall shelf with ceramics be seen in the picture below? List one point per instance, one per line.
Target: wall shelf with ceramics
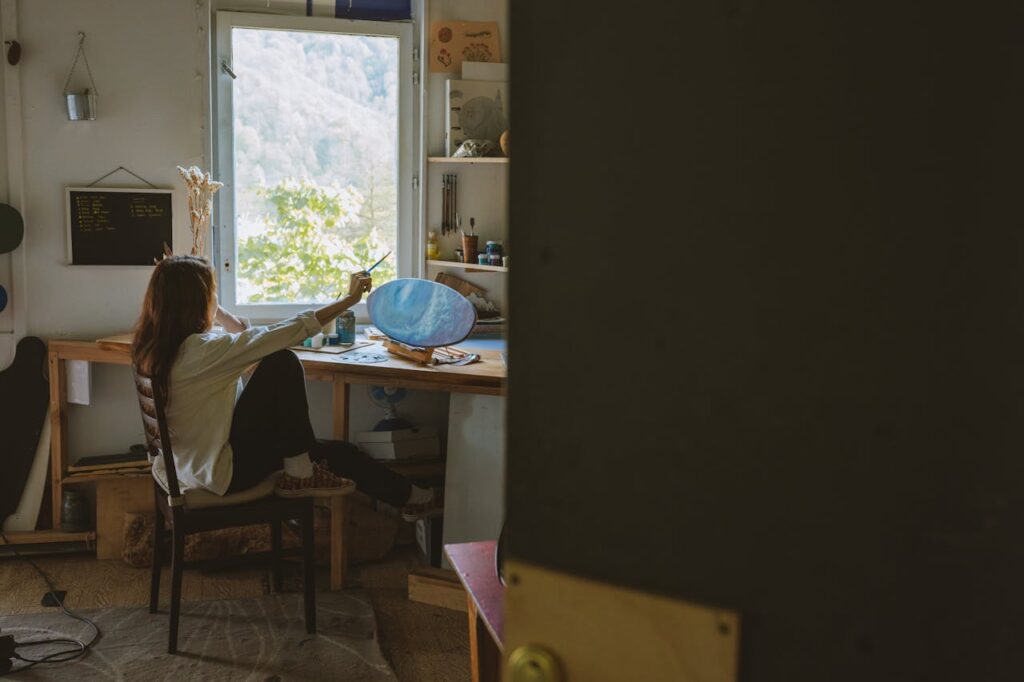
(469, 267)
(468, 159)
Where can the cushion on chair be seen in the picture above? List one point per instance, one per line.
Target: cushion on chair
(198, 498)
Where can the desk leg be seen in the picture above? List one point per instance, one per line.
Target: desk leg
(339, 504)
(58, 432)
(341, 390)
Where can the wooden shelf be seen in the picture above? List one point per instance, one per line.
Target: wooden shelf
(41, 537)
(467, 159)
(470, 267)
(103, 475)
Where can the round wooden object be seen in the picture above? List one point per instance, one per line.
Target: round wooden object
(12, 228)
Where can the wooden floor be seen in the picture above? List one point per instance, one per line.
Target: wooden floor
(422, 643)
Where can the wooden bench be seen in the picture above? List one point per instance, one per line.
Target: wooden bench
(485, 596)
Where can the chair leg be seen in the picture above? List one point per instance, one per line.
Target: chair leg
(275, 547)
(159, 536)
(177, 564)
(308, 570)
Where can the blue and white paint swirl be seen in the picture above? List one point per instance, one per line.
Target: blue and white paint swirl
(418, 312)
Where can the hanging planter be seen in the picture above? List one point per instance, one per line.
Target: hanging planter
(81, 105)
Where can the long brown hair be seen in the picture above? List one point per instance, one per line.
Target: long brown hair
(180, 301)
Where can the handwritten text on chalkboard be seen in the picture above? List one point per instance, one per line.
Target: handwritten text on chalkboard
(117, 226)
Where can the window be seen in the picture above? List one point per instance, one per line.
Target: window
(315, 147)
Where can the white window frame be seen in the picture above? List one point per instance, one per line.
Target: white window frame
(409, 262)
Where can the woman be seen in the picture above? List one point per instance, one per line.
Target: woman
(227, 438)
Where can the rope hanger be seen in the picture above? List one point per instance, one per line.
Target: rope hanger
(80, 53)
(122, 168)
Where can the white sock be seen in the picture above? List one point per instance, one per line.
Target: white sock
(420, 495)
(298, 466)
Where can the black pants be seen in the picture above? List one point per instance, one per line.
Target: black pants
(271, 422)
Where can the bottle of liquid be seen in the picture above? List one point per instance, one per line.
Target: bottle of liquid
(433, 250)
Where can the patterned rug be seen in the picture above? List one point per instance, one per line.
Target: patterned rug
(241, 639)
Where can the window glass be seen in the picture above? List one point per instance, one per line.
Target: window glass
(315, 126)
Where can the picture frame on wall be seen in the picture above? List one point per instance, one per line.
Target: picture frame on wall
(475, 110)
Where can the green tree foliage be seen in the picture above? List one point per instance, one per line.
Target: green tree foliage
(313, 239)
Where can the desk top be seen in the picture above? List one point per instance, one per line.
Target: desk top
(474, 564)
(486, 376)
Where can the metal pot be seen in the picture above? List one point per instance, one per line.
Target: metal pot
(81, 106)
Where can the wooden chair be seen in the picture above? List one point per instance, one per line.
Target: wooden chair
(179, 515)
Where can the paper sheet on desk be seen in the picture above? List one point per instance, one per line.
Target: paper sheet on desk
(335, 350)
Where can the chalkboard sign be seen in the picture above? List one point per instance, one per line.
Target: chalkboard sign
(117, 226)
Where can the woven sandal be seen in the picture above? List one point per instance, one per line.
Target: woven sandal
(323, 483)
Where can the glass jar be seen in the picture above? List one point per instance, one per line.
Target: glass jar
(346, 327)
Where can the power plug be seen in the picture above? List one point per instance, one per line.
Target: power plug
(55, 598)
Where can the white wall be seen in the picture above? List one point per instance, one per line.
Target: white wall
(152, 104)
(148, 59)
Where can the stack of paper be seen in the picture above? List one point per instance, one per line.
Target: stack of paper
(399, 444)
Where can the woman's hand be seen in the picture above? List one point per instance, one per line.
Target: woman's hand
(359, 284)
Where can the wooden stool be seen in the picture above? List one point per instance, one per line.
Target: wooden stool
(474, 564)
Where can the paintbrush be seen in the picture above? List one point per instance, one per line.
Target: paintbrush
(369, 269)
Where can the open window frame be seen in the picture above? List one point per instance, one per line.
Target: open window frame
(225, 247)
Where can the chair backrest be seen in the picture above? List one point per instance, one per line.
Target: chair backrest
(158, 439)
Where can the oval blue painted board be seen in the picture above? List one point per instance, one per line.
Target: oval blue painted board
(418, 312)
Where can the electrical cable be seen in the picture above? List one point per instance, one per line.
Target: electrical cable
(63, 655)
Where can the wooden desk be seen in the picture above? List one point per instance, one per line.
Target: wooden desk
(486, 377)
(485, 596)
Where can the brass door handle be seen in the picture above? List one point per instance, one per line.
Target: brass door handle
(532, 663)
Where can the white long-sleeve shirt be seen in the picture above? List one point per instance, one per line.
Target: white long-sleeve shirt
(204, 384)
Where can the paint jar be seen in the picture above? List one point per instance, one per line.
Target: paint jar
(458, 255)
(433, 250)
(346, 327)
(495, 259)
(483, 259)
(494, 248)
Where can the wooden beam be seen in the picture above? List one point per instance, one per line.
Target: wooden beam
(58, 432)
(341, 393)
(43, 537)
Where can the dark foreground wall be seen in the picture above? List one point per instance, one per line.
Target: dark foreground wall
(768, 321)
